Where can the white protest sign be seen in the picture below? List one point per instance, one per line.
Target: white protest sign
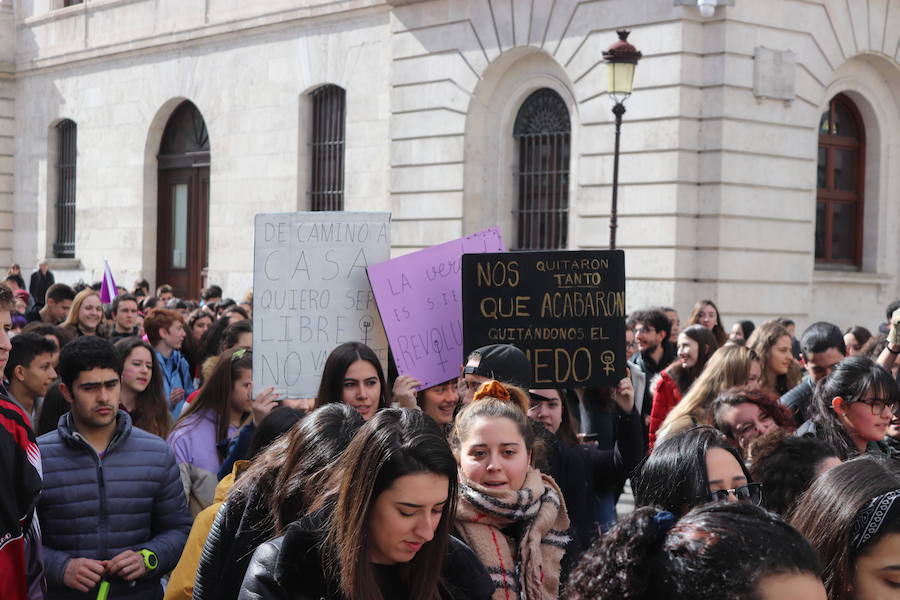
(311, 294)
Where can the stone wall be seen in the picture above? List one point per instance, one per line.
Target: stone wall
(718, 166)
(250, 82)
(7, 128)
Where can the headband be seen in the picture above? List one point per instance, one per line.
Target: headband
(870, 519)
(492, 389)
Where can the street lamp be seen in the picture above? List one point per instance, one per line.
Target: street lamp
(622, 58)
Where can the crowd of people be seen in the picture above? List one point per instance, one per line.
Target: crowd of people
(138, 463)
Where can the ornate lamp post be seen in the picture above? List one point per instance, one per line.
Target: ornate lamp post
(622, 58)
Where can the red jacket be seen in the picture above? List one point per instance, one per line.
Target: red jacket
(665, 396)
(20, 484)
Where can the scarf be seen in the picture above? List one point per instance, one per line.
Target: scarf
(526, 568)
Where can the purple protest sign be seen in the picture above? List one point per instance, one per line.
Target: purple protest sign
(419, 296)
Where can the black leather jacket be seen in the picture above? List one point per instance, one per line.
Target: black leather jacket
(241, 525)
(290, 568)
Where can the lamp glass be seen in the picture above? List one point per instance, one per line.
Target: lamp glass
(620, 80)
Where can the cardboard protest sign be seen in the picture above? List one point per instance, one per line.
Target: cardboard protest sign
(420, 300)
(565, 309)
(311, 293)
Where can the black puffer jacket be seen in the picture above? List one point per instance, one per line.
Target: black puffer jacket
(291, 568)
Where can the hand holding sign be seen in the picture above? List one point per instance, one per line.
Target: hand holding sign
(405, 391)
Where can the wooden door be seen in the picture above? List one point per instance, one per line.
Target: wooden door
(182, 233)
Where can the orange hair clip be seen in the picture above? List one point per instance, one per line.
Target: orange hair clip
(492, 389)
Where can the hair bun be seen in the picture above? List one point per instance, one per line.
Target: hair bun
(492, 389)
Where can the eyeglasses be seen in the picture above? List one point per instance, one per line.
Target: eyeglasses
(878, 405)
(751, 492)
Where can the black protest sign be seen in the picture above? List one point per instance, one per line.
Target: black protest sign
(565, 309)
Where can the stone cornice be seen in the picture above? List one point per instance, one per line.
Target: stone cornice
(190, 36)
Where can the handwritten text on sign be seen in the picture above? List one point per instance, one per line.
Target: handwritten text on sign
(420, 299)
(311, 293)
(565, 309)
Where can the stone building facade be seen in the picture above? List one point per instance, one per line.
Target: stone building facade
(719, 186)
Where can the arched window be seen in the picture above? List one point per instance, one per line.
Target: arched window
(326, 176)
(542, 133)
(839, 186)
(66, 152)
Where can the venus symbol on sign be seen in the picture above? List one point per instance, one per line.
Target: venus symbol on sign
(366, 324)
(608, 358)
(437, 348)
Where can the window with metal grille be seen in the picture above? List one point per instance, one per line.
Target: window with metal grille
(839, 185)
(326, 175)
(64, 244)
(542, 133)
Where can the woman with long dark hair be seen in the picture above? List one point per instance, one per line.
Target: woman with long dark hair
(200, 436)
(353, 375)
(696, 345)
(722, 551)
(276, 489)
(855, 338)
(852, 408)
(706, 314)
(198, 322)
(851, 516)
(141, 394)
(383, 530)
(185, 581)
(693, 467)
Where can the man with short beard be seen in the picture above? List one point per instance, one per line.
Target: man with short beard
(113, 510)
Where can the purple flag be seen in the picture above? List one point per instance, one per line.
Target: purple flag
(108, 289)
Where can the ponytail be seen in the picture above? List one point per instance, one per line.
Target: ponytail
(718, 550)
(627, 563)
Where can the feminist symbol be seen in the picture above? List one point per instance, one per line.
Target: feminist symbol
(608, 357)
(437, 348)
(365, 324)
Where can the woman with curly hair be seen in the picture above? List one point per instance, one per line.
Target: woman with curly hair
(743, 414)
(722, 551)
